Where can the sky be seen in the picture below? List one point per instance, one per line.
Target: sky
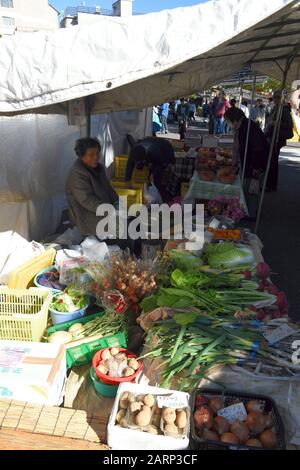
(139, 6)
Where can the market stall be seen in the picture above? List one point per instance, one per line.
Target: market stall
(135, 341)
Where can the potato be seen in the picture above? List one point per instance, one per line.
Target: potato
(120, 357)
(131, 397)
(133, 363)
(120, 415)
(148, 399)
(124, 403)
(143, 418)
(216, 404)
(128, 372)
(240, 430)
(268, 439)
(168, 415)
(152, 429)
(135, 406)
(181, 419)
(229, 438)
(114, 351)
(102, 369)
(156, 420)
(122, 423)
(147, 409)
(105, 355)
(171, 428)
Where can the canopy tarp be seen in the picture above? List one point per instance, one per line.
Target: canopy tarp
(132, 63)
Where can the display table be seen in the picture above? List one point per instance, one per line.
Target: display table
(207, 190)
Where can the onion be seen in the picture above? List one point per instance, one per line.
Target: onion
(76, 328)
(254, 405)
(200, 400)
(229, 438)
(253, 443)
(240, 430)
(216, 404)
(60, 337)
(256, 422)
(210, 435)
(268, 439)
(282, 301)
(269, 421)
(221, 425)
(203, 417)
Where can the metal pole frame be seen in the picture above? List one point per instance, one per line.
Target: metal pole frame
(272, 146)
(248, 130)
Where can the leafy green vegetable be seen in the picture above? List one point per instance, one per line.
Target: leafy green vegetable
(185, 260)
(227, 255)
(69, 301)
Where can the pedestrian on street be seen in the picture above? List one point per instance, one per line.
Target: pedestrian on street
(182, 113)
(285, 133)
(258, 114)
(164, 113)
(218, 109)
(244, 108)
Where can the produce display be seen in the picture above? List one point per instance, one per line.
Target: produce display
(142, 413)
(134, 279)
(229, 208)
(116, 363)
(216, 164)
(69, 301)
(100, 327)
(243, 423)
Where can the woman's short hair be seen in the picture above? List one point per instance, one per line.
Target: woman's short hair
(234, 114)
(82, 145)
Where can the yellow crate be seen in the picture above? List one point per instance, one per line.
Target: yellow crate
(134, 196)
(184, 189)
(120, 163)
(23, 276)
(23, 313)
(141, 176)
(120, 184)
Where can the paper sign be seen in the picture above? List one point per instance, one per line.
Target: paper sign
(234, 412)
(276, 335)
(172, 401)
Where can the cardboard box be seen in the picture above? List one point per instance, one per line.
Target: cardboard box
(119, 438)
(32, 372)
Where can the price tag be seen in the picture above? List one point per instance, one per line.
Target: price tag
(172, 401)
(276, 335)
(234, 412)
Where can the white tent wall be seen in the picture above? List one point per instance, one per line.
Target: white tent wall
(111, 129)
(36, 152)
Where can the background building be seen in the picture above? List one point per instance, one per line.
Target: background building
(27, 16)
(83, 15)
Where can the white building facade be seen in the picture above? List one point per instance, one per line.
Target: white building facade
(27, 16)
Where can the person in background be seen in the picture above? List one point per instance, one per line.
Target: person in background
(269, 108)
(257, 155)
(205, 109)
(192, 111)
(156, 122)
(157, 153)
(164, 113)
(244, 108)
(211, 122)
(218, 109)
(285, 133)
(258, 114)
(182, 113)
(177, 103)
(233, 103)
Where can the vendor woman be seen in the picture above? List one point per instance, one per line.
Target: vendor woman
(87, 188)
(257, 156)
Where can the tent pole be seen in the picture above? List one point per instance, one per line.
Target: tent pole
(273, 142)
(248, 130)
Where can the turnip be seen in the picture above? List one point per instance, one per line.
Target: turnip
(282, 302)
(247, 275)
(261, 315)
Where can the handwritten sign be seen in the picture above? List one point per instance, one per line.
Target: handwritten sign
(172, 401)
(276, 335)
(234, 413)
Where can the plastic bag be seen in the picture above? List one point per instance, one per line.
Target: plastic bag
(151, 195)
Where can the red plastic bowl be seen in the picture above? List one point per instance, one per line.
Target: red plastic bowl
(115, 380)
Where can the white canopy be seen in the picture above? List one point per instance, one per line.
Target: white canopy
(131, 63)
